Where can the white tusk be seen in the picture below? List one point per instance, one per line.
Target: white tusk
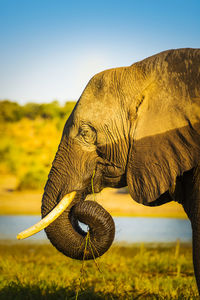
(54, 214)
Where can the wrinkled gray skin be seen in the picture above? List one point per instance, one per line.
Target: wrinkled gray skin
(135, 126)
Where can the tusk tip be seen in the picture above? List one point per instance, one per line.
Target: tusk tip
(19, 236)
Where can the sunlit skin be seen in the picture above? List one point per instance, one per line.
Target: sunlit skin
(134, 126)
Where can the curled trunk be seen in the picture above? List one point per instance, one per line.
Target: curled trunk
(66, 234)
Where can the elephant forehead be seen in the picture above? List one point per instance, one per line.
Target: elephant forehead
(96, 108)
(101, 96)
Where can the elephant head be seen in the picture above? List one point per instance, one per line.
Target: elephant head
(135, 126)
(92, 155)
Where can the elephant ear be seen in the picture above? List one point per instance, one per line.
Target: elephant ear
(165, 142)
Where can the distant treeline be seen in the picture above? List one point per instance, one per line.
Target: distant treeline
(13, 112)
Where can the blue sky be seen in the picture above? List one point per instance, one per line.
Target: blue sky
(50, 49)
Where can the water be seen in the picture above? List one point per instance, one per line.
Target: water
(131, 230)
(152, 230)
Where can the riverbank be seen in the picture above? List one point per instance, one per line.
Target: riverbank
(40, 272)
(118, 203)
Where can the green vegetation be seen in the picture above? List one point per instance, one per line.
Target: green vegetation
(13, 112)
(29, 137)
(131, 272)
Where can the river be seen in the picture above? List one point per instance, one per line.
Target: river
(128, 229)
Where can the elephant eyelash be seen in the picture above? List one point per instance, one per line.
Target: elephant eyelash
(87, 133)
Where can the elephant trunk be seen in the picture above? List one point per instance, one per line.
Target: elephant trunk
(66, 234)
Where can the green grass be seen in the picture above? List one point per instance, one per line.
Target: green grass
(126, 272)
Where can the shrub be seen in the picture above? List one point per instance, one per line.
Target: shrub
(30, 135)
(10, 111)
(13, 112)
(33, 180)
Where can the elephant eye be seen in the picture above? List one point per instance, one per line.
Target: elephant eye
(84, 133)
(87, 133)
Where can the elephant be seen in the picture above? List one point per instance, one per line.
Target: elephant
(135, 126)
